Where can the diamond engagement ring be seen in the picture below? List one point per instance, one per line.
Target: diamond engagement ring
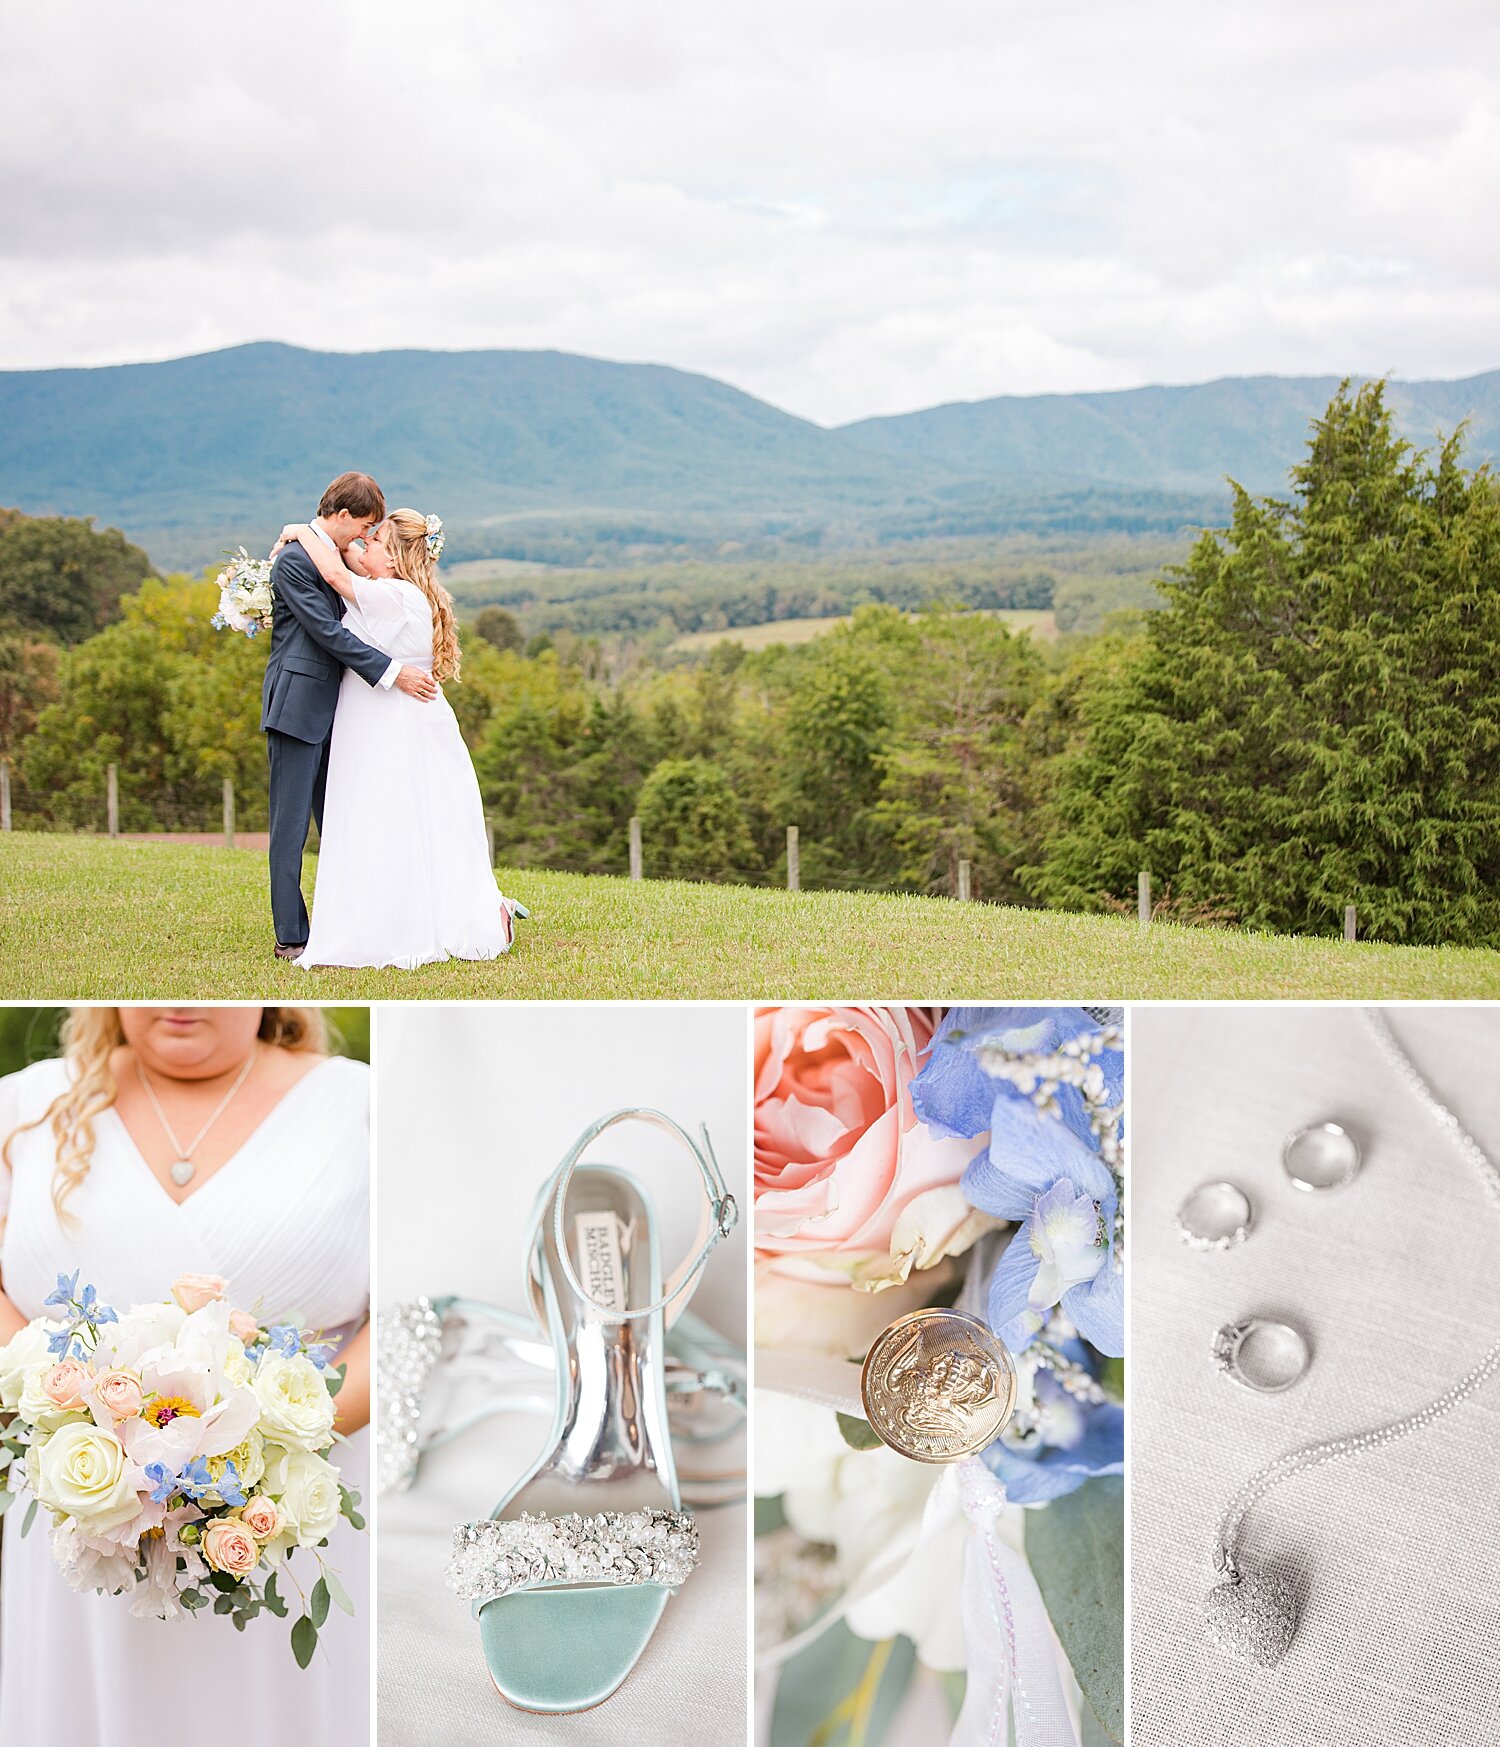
(1261, 1354)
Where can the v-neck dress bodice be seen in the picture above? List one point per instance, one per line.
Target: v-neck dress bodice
(286, 1221)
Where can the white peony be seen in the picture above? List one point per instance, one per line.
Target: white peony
(25, 1350)
(85, 1473)
(91, 1567)
(296, 1408)
(307, 1489)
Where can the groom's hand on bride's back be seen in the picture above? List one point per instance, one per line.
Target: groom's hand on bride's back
(416, 684)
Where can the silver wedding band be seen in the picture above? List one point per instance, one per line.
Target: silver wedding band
(1262, 1354)
(1216, 1216)
(1322, 1156)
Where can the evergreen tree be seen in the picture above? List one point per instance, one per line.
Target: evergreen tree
(1314, 719)
(692, 825)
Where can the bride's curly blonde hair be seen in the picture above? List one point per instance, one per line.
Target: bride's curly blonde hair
(90, 1036)
(413, 562)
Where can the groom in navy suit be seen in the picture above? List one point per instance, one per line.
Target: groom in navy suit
(309, 651)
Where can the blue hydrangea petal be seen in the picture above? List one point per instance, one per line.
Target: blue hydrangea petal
(1010, 1284)
(1031, 1151)
(1097, 1310)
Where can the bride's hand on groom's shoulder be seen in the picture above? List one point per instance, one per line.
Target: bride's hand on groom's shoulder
(289, 533)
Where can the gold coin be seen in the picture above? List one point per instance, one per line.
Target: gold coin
(938, 1385)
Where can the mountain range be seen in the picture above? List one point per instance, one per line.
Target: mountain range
(528, 453)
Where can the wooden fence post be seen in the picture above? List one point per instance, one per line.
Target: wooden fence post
(112, 799)
(963, 882)
(1350, 932)
(4, 794)
(635, 847)
(229, 812)
(1143, 898)
(793, 859)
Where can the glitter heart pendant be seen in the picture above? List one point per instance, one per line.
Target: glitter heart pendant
(1253, 1616)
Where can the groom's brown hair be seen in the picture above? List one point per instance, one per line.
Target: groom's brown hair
(355, 492)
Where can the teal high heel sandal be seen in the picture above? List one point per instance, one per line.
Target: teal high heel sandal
(570, 1574)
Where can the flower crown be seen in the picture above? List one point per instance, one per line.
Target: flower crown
(435, 537)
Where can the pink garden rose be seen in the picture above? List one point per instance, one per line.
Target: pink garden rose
(849, 1185)
(244, 1327)
(229, 1546)
(119, 1393)
(193, 1291)
(262, 1516)
(63, 1385)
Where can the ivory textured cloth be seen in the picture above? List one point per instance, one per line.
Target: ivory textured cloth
(1395, 1280)
(475, 1106)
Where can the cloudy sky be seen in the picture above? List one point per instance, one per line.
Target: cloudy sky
(844, 206)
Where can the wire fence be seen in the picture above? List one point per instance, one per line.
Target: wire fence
(196, 818)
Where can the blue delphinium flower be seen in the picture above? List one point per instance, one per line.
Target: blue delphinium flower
(1043, 1167)
(195, 1482)
(1062, 1437)
(86, 1315)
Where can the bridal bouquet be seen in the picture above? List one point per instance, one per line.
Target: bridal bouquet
(181, 1450)
(245, 594)
(907, 1159)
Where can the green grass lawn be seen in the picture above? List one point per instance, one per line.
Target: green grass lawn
(81, 917)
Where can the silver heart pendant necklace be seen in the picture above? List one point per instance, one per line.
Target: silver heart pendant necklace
(183, 1169)
(1253, 1613)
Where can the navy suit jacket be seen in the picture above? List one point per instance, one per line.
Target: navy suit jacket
(309, 650)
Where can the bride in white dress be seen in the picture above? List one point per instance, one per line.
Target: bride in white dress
(404, 875)
(278, 1203)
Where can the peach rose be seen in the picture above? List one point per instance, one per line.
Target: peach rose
(230, 1547)
(119, 1393)
(262, 1516)
(193, 1291)
(849, 1185)
(63, 1384)
(244, 1327)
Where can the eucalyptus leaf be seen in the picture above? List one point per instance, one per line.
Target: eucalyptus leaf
(338, 1593)
(304, 1640)
(7, 1499)
(318, 1607)
(29, 1519)
(337, 1377)
(857, 1433)
(1076, 1547)
(840, 1690)
(769, 1515)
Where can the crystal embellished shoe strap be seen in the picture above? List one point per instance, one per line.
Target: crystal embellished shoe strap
(492, 1558)
(408, 1341)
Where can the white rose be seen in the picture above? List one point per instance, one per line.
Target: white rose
(237, 1369)
(25, 1349)
(296, 1408)
(307, 1489)
(85, 1473)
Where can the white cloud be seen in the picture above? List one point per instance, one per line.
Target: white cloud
(852, 207)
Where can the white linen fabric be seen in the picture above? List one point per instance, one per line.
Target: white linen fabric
(1394, 1281)
(286, 1221)
(476, 1105)
(404, 874)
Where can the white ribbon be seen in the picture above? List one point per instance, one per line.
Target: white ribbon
(1010, 1651)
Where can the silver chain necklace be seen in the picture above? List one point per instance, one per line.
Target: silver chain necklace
(1254, 1613)
(183, 1170)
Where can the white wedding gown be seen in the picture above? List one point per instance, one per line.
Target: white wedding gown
(404, 874)
(286, 1221)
